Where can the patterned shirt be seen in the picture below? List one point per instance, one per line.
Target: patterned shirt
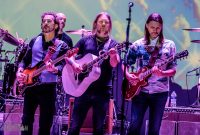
(138, 55)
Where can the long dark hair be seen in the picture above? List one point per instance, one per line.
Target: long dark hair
(94, 27)
(153, 17)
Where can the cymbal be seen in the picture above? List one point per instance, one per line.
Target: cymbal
(80, 32)
(193, 29)
(195, 41)
(8, 37)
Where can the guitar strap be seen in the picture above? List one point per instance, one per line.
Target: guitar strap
(154, 55)
(51, 51)
(106, 45)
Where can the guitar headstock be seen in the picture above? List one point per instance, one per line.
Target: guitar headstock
(181, 55)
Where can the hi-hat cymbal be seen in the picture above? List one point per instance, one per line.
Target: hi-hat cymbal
(8, 37)
(193, 29)
(80, 32)
(196, 41)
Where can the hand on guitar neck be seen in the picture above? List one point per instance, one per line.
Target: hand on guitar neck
(51, 67)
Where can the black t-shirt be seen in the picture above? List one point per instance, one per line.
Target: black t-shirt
(90, 45)
(64, 37)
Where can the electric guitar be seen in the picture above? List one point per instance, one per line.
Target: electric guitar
(76, 84)
(144, 73)
(33, 73)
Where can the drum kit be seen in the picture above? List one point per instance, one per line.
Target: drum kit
(197, 102)
(82, 32)
(194, 30)
(9, 86)
(10, 67)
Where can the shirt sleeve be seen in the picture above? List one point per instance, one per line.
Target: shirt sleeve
(131, 55)
(172, 64)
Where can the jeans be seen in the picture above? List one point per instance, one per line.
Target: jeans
(82, 104)
(43, 95)
(140, 103)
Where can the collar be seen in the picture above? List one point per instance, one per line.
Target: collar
(102, 40)
(153, 41)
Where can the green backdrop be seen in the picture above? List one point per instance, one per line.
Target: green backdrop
(23, 17)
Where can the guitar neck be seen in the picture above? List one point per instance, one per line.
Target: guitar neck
(90, 64)
(102, 56)
(39, 70)
(149, 72)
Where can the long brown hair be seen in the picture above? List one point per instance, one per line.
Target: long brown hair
(153, 17)
(94, 27)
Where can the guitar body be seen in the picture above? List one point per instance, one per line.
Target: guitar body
(33, 73)
(29, 74)
(72, 85)
(134, 89)
(30, 80)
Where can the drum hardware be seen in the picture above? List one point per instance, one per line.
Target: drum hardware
(197, 102)
(8, 37)
(197, 71)
(196, 41)
(83, 32)
(193, 29)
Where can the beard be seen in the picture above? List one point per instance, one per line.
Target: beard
(47, 29)
(103, 32)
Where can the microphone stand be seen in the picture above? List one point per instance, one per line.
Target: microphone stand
(125, 66)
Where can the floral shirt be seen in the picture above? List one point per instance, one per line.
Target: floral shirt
(139, 56)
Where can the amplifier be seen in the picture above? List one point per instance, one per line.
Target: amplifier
(180, 121)
(13, 106)
(182, 114)
(16, 106)
(183, 110)
(11, 123)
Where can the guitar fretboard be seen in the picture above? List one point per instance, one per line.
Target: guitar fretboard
(101, 57)
(170, 59)
(70, 52)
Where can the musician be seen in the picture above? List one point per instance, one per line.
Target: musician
(61, 19)
(149, 51)
(44, 92)
(97, 94)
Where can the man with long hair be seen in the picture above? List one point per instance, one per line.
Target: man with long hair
(149, 52)
(98, 93)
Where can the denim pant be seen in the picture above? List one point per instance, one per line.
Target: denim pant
(43, 95)
(99, 102)
(140, 103)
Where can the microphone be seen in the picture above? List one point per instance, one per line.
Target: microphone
(130, 4)
(193, 70)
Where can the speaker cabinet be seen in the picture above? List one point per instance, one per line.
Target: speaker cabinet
(11, 118)
(12, 124)
(168, 127)
(188, 128)
(181, 121)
